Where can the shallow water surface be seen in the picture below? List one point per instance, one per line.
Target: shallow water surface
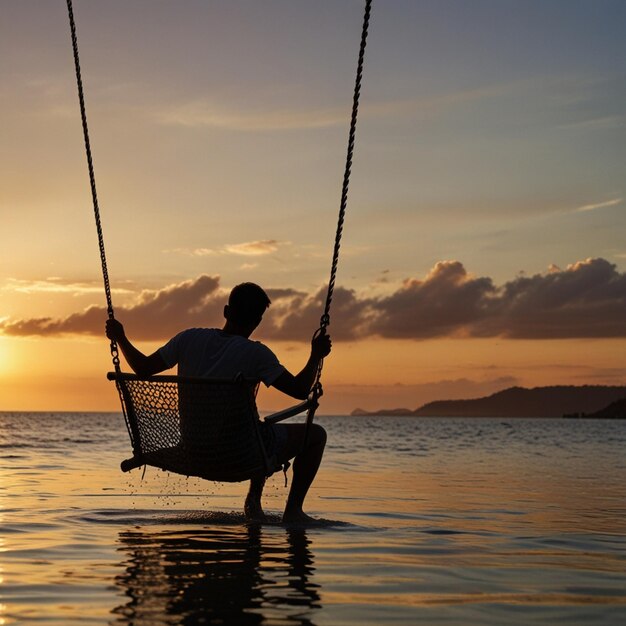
(430, 521)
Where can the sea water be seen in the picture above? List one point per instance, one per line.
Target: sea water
(432, 521)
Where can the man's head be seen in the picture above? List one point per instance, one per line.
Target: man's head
(246, 304)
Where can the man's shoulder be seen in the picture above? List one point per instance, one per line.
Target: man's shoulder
(191, 336)
(245, 343)
(198, 332)
(196, 329)
(261, 346)
(263, 351)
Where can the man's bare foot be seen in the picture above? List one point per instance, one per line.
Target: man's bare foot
(254, 512)
(300, 518)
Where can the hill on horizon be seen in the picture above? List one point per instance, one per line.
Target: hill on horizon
(551, 401)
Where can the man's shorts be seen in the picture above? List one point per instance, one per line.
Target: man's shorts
(275, 438)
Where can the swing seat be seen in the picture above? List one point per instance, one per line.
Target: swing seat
(201, 427)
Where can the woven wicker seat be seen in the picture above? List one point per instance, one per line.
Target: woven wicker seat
(197, 426)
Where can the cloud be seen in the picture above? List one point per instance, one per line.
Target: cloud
(607, 122)
(297, 315)
(586, 299)
(253, 248)
(209, 113)
(192, 251)
(204, 114)
(54, 284)
(447, 302)
(247, 248)
(599, 205)
(156, 314)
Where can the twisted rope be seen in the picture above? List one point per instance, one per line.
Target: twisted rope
(325, 318)
(92, 182)
(317, 390)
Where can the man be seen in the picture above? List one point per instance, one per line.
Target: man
(211, 352)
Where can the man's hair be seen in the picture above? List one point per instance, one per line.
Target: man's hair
(247, 303)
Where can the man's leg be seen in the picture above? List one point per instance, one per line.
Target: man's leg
(252, 507)
(305, 466)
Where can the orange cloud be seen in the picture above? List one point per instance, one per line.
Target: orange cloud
(253, 248)
(447, 302)
(587, 299)
(247, 248)
(155, 315)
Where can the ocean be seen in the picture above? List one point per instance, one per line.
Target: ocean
(430, 521)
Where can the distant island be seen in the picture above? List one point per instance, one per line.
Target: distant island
(598, 401)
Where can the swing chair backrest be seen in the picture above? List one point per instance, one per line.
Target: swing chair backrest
(194, 426)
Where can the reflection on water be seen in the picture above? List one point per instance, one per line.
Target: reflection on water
(479, 522)
(224, 574)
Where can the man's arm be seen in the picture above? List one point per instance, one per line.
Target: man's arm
(141, 364)
(300, 385)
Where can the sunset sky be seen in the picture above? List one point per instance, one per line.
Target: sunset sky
(484, 245)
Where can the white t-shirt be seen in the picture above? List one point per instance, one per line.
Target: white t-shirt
(212, 353)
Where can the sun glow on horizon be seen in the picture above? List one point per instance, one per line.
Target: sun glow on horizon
(7, 357)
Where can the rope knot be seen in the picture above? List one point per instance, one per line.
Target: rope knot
(324, 321)
(317, 391)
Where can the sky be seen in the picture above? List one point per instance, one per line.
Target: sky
(483, 245)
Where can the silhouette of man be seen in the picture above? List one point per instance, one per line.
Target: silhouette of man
(223, 353)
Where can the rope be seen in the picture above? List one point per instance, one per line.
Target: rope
(325, 318)
(317, 390)
(92, 181)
